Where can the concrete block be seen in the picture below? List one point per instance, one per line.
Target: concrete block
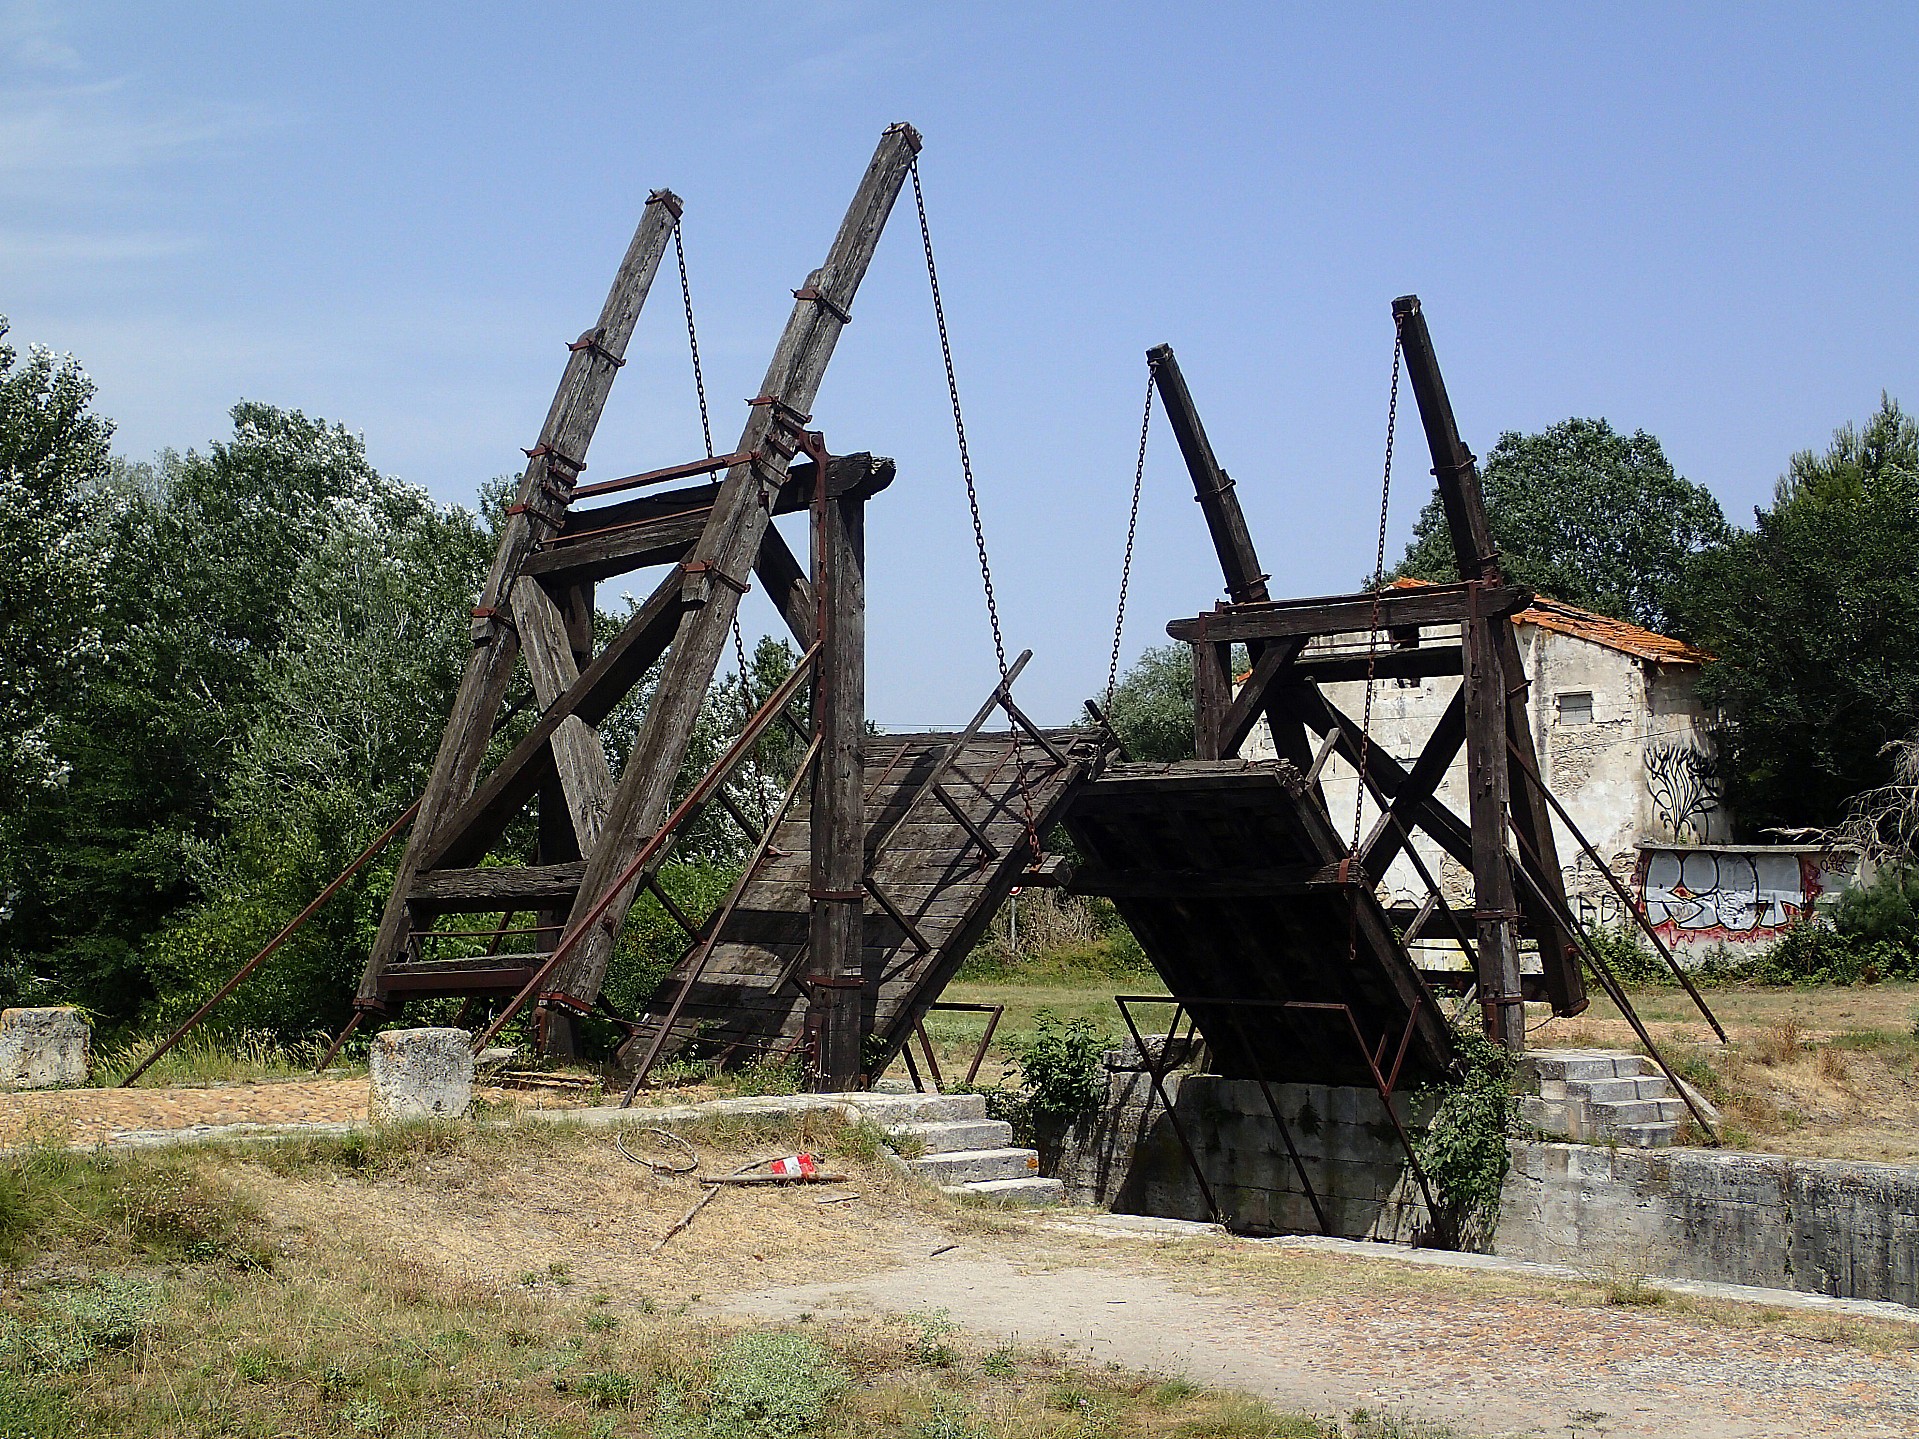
(43, 1048)
(978, 1165)
(420, 1074)
(897, 1109)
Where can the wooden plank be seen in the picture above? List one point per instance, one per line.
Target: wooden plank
(502, 886)
(729, 547)
(567, 432)
(1427, 661)
(1346, 614)
(787, 587)
(1212, 693)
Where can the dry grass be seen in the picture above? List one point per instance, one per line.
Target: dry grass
(438, 1281)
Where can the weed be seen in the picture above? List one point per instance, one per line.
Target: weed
(1781, 1044)
(1463, 1150)
(1169, 1392)
(948, 1420)
(602, 1322)
(769, 1383)
(1000, 1363)
(609, 1389)
(1240, 1416)
(76, 1324)
(1631, 1291)
(930, 1342)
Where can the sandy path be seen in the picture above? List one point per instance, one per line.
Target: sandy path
(1506, 1366)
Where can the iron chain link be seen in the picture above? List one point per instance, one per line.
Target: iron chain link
(1132, 533)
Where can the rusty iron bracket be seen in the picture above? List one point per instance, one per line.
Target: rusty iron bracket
(782, 410)
(707, 567)
(668, 199)
(556, 458)
(836, 981)
(590, 342)
(842, 895)
(833, 307)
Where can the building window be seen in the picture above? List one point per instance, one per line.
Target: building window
(1575, 707)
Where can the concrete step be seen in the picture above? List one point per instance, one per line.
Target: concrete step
(1023, 1193)
(1647, 1136)
(971, 1166)
(951, 1136)
(1639, 1111)
(893, 1110)
(1564, 1064)
(1607, 1091)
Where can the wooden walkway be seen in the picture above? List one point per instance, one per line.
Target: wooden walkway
(941, 859)
(1228, 872)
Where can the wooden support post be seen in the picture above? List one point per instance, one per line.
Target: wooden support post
(1494, 904)
(837, 934)
(1478, 558)
(1212, 695)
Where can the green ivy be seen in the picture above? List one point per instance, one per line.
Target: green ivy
(1463, 1150)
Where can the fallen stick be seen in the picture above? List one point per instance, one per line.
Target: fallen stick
(737, 1178)
(713, 1188)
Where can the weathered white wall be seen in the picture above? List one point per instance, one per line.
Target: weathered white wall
(1639, 771)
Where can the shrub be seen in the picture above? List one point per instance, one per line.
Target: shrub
(1060, 1065)
(76, 1324)
(772, 1384)
(1628, 957)
(1463, 1150)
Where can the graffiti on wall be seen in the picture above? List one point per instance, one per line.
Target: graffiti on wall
(1684, 784)
(1694, 896)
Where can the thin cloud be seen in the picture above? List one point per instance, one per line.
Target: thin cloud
(22, 247)
(30, 38)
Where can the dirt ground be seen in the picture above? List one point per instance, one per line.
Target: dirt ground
(1488, 1354)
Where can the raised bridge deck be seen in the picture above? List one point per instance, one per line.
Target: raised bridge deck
(1227, 871)
(925, 857)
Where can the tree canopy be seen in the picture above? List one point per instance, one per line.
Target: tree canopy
(1812, 615)
(1586, 515)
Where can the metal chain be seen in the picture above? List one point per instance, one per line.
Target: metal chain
(1379, 588)
(1372, 642)
(1132, 532)
(747, 705)
(972, 491)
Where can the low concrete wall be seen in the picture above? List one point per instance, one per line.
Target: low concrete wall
(1127, 1157)
(44, 1048)
(1818, 1225)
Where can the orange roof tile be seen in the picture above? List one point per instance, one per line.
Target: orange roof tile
(1598, 629)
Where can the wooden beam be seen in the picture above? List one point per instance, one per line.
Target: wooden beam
(498, 886)
(1250, 702)
(472, 829)
(787, 587)
(1212, 693)
(1346, 614)
(1284, 880)
(1232, 541)
(836, 935)
(1495, 905)
(1421, 786)
(1478, 559)
(1424, 662)
(540, 505)
(578, 755)
(662, 529)
(727, 549)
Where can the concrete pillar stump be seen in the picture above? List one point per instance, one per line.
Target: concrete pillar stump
(420, 1074)
(43, 1048)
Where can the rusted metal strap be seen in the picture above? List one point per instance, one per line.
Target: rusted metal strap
(590, 342)
(842, 895)
(782, 411)
(835, 981)
(707, 567)
(563, 1000)
(565, 463)
(833, 307)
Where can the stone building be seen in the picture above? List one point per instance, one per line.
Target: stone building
(1627, 746)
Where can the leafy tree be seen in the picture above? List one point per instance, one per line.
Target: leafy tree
(53, 457)
(53, 453)
(1812, 617)
(1586, 515)
(216, 569)
(1152, 709)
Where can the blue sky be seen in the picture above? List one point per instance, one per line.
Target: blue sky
(1696, 220)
